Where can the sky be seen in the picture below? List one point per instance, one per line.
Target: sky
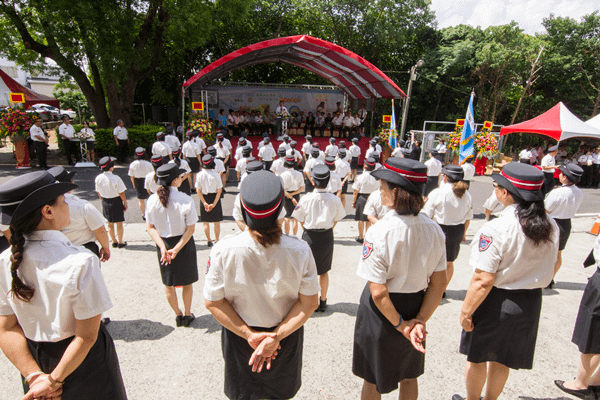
(529, 14)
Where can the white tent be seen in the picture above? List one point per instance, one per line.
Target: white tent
(594, 122)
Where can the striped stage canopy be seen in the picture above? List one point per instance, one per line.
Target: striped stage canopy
(9, 85)
(353, 74)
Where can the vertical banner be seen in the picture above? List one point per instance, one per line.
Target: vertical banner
(467, 145)
(393, 132)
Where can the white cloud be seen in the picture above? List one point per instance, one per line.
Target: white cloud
(529, 14)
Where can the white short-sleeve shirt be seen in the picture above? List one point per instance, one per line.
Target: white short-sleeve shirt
(190, 149)
(306, 148)
(140, 168)
(402, 252)
(37, 134)
(68, 286)
(267, 153)
(310, 163)
(66, 130)
(354, 150)
(365, 183)
(173, 142)
(277, 167)
(261, 283)
(149, 182)
(493, 204)
(222, 151)
(161, 148)
(208, 181)
(434, 167)
(500, 247)
(331, 150)
(335, 183)
(548, 161)
(199, 142)
(374, 207)
(446, 209)
(319, 209)
(563, 202)
(469, 171)
(176, 217)
(292, 180)
(120, 133)
(342, 168)
(525, 154)
(219, 166)
(85, 219)
(109, 185)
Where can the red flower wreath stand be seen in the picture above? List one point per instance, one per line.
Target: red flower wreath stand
(480, 164)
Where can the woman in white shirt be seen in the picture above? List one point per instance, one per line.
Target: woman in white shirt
(51, 301)
(90, 141)
(452, 208)
(138, 170)
(293, 184)
(209, 188)
(404, 262)
(513, 260)
(171, 220)
(262, 287)
(364, 185)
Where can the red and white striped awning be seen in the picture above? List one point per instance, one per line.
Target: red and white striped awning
(356, 76)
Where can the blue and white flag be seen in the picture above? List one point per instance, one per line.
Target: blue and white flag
(393, 132)
(467, 145)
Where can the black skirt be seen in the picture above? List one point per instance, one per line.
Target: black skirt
(361, 201)
(185, 187)
(454, 235)
(93, 247)
(564, 231)
(282, 381)
(141, 192)
(3, 244)
(506, 327)
(183, 270)
(90, 145)
(289, 205)
(320, 242)
(354, 163)
(548, 184)
(432, 183)
(98, 377)
(113, 209)
(586, 334)
(525, 161)
(193, 163)
(382, 355)
(308, 186)
(345, 187)
(216, 214)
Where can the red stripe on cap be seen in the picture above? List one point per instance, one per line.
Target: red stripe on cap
(207, 162)
(522, 184)
(329, 162)
(157, 159)
(104, 165)
(410, 175)
(140, 153)
(368, 163)
(262, 214)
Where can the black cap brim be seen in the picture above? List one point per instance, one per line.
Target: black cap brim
(34, 200)
(396, 179)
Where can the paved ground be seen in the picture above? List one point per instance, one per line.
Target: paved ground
(159, 361)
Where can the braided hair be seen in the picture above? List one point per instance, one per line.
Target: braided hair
(18, 229)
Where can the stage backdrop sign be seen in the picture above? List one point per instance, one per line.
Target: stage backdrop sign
(246, 98)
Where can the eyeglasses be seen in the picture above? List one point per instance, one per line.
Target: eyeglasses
(497, 186)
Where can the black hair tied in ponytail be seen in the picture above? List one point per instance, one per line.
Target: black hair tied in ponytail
(534, 220)
(163, 193)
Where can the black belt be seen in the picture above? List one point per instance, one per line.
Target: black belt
(318, 230)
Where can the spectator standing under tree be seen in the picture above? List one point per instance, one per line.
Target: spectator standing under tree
(40, 143)
(67, 133)
(121, 140)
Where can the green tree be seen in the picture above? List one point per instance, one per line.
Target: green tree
(107, 47)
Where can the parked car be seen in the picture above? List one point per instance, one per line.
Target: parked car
(44, 115)
(43, 107)
(60, 113)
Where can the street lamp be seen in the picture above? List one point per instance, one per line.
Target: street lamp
(412, 78)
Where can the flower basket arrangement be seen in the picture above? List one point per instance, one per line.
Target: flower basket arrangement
(384, 137)
(204, 126)
(453, 143)
(15, 124)
(485, 142)
(83, 136)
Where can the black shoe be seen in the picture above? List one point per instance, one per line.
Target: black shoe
(444, 295)
(188, 319)
(359, 240)
(115, 245)
(209, 244)
(585, 394)
(550, 285)
(179, 320)
(106, 321)
(121, 245)
(458, 397)
(322, 305)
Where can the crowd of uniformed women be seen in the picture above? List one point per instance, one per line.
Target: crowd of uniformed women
(262, 285)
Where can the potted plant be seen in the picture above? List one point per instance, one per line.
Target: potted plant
(15, 124)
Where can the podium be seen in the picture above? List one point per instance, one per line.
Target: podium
(84, 163)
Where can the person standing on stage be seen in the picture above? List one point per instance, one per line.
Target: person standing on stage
(150, 180)
(513, 259)
(267, 153)
(90, 141)
(562, 204)
(51, 302)
(308, 166)
(282, 112)
(67, 133)
(451, 207)
(87, 223)
(354, 151)
(363, 186)
(171, 220)
(434, 171)
(318, 212)
(262, 319)
(111, 190)
(138, 170)
(121, 140)
(293, 184)
(548, 166)
(209, 187)
(404, 262)
(585, 335)
(40, 143)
